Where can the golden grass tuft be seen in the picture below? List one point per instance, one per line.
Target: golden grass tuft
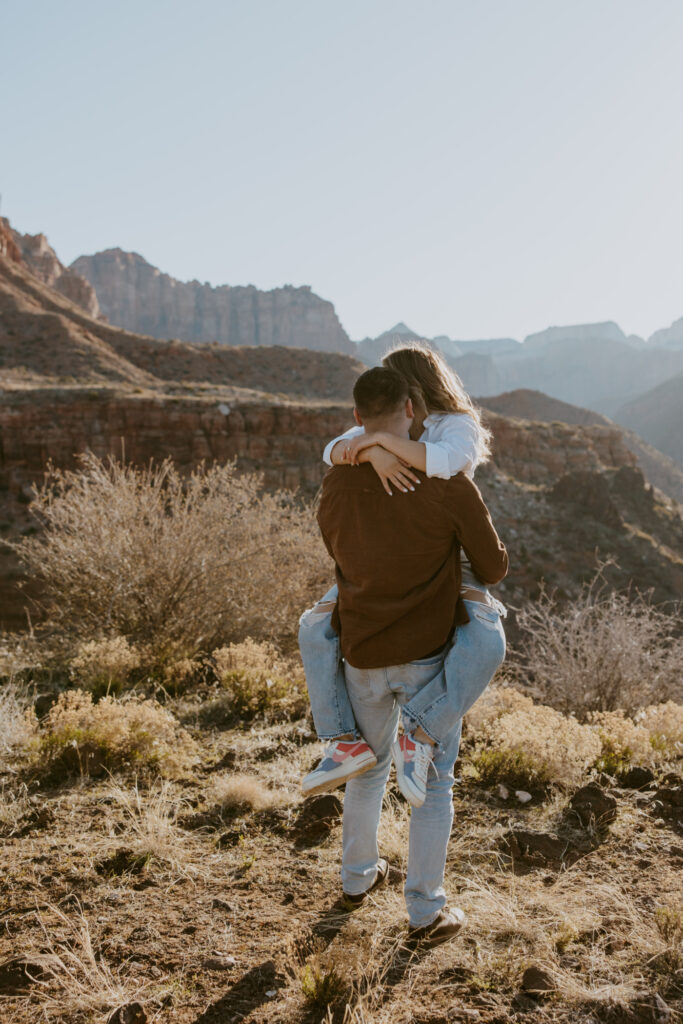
(238, 791)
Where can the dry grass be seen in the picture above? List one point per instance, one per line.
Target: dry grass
(175, 565)
(246, 792)
(150, 829)
(16, 727)
(79, 736)
(79, 981)
(602, 652)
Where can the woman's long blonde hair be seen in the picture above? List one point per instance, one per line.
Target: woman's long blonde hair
(439, 388)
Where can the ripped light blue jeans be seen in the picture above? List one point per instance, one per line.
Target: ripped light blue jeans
(375, 696)
(471, 661)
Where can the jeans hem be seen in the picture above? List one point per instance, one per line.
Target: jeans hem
(417, 720)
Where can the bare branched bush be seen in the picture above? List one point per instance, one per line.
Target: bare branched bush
(601, 652)
(175, 565)
(79, 736)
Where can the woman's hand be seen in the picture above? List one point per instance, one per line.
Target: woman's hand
(355, 445)
(390, 469)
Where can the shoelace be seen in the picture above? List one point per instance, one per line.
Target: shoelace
(423, 760)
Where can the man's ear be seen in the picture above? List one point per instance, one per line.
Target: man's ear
(410, 412)
(357, 417)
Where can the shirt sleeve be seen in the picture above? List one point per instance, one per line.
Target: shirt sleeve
(455, 450)
(476, 532)
(351, 432)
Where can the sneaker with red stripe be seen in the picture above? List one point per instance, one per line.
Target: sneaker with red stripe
(342, 760)
(412, 760)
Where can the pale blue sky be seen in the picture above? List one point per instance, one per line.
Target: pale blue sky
(476, 168)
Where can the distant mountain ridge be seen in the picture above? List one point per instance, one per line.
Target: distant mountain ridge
(596, 366)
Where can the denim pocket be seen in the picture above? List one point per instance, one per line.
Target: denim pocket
(484, 613)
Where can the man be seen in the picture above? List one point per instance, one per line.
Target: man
(397, 566)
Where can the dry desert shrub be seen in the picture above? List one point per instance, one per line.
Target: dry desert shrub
(623, 742)
(104, 666)
(664, 722)
(260, 681)
(16, 724)
(77, 735)
(601, 652)
(173, 564)
(533, 745)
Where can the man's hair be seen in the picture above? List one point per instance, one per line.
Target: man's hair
(379, 392)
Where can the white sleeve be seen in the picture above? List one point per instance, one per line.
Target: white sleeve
(454, 449)
(351, 432)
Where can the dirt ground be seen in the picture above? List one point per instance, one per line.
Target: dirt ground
(215, 898)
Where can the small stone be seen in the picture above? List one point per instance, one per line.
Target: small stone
(523, 796)
(536, 979)
(502, 792)
(224, 409)
(219, 904)
(271, 993)
(219, 963)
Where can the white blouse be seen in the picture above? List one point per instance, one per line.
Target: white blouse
(450, 440)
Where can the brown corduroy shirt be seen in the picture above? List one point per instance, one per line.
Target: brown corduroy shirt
(397, 561)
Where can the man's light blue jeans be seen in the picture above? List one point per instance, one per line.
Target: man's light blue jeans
(471, 661)
(376, 696)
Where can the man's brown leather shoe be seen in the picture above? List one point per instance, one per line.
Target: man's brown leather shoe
(444, 927)
(380, 879)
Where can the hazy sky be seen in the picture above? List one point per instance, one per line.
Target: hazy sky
(476, 168)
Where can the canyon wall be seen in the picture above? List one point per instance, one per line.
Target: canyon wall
(137, 296)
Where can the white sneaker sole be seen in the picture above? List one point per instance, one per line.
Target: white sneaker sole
(414, 797)
(337, 776)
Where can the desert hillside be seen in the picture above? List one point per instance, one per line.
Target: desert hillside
(664, 472)
(658, 417)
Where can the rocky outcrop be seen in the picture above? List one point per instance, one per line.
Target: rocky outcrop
(137, 296)
(37, 254)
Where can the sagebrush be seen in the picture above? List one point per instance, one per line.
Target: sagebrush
(77, 735)
(601, 652)
(173, 564)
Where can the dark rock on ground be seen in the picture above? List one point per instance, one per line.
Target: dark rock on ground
(18, 973)
(535, 848)
(131, 1013)
(637, 777)
(593, 806)
(536, 979)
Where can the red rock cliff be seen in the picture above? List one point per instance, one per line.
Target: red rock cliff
(135, 295)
